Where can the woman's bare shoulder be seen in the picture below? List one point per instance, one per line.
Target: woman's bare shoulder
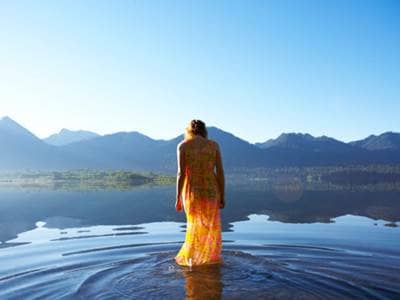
(181, 145)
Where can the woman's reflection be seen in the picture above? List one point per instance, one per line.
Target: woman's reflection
(203, 282)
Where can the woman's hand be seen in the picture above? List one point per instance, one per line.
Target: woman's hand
(178, 204)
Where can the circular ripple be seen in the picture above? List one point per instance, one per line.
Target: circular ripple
(275, 272)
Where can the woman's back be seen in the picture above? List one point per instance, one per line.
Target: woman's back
(200, 162)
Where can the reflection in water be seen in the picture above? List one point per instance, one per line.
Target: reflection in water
(288, 194)
(20, 210)
(350, 258)
(120, 245)
(203, 282)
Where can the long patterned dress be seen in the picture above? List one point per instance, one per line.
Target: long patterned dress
(201, 197)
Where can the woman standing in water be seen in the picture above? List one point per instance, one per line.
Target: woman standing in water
(201, 193)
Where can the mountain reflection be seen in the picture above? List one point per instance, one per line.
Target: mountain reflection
(20, 210)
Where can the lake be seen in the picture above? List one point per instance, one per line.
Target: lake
(277, 244)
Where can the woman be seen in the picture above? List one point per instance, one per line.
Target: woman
(201, 193)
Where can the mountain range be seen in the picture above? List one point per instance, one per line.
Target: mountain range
(65, 137)
(22, 150)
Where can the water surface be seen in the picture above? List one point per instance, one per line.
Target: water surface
(121, 244)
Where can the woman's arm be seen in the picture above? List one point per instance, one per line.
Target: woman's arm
(180, 176)
(220, 176)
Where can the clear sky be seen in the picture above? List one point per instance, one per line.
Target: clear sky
(253, 68)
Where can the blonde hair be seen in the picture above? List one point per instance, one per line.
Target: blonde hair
(196, 127)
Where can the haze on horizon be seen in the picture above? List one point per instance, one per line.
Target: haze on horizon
(255, 70)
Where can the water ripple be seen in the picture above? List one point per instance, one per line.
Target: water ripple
(253, 272)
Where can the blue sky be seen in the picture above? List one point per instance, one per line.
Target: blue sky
(253, 68)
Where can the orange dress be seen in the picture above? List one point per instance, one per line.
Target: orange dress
(201, 197)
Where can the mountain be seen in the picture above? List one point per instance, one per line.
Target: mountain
(20, 149)
(236, 152)
(303, 141)
(11, 128)
(121, 150)
(65, 137)
(133, 150)
(385, 141)
(297, 149)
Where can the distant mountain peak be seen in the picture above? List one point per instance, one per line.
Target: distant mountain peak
(298, 140)
(295, 135)
(388, 140)
(129, 136)
(66, 136)
(7, 120)
(217, 132)
(390, 133)
(10, 126)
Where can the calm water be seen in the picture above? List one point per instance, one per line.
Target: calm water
(276, 245)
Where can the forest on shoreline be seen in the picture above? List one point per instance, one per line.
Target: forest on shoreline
(84, 179)
(357, 177)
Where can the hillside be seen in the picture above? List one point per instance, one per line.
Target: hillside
(65, 137)
(21, 150)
